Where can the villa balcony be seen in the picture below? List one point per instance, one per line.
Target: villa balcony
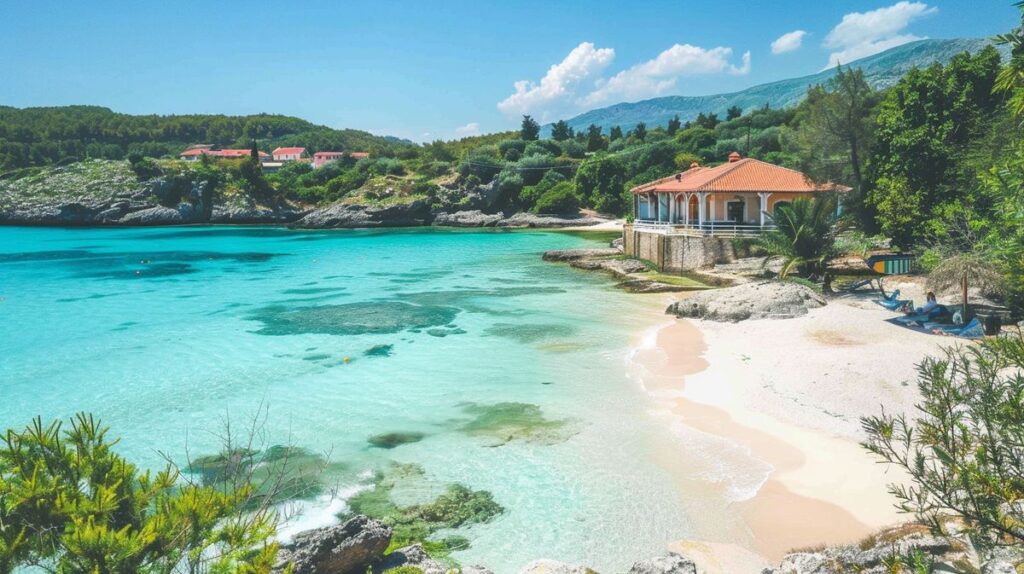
(707, 228)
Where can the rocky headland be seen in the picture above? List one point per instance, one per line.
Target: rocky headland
(108, 193)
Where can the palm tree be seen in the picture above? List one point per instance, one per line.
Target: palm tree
(804, 236)
(1011, 78)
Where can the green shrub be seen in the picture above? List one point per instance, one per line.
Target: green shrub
(561, 198)
(69, 501)
(543, 147)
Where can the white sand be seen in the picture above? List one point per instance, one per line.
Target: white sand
(785, 397)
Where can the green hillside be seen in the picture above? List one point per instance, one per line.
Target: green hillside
(881, 70)
(46, 135)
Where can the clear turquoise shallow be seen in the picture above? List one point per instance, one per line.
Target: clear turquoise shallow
(164, 332)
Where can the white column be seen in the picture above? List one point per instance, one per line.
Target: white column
(671, 208)
(701, 207)
(764, 195)
(686, 208)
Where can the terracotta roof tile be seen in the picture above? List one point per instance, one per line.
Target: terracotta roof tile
(745, 174)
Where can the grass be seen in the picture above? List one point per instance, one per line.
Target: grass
(674, 280)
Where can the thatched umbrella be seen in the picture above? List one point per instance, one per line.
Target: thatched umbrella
(963, 269)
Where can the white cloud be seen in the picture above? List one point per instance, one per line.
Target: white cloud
(862, 34)
(658, 76)
(788, 42)
(470, 129)
(559, 85)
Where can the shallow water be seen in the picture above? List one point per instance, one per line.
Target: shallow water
(344, 335)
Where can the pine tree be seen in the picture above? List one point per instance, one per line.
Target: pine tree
(529, 130)
(254, 152)
(615, 133)
(733, 113)
(595, 141)
(561, 131)
(673, 125)
(640, 131)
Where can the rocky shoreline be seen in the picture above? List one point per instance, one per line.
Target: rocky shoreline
(134, 211)
(360, 544)
(632, 274)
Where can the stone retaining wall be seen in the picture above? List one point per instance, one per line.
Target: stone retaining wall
(675, 253)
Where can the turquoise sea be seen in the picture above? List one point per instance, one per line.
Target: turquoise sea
(167, 333)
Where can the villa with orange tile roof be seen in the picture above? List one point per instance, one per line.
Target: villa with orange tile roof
(735, 198)
(289, 153)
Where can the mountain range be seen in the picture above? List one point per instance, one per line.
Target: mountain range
(881, 71)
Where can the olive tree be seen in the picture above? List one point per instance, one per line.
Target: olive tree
(964, 454)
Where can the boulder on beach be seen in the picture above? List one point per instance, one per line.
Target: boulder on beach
(759, 300)
(348, 548)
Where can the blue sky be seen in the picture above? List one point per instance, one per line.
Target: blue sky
(425, 70)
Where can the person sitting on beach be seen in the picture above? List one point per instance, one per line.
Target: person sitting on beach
(930, 304)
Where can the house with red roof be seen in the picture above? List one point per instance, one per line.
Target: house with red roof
(322, 157)
(196, 152)
(289, 154)
(735, 198)
(687, 220)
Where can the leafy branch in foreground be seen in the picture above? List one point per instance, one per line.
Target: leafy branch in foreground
(964, 455)
(69, 503)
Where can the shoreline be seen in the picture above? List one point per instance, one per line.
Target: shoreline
(790, 470)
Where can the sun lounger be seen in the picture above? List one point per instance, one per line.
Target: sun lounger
(857, 284)
(891, 296)
(894, 304)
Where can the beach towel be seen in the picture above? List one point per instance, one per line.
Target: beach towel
(972, 330)
(921, 318)
(891, 296)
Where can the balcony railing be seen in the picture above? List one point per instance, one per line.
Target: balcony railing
(710, 228)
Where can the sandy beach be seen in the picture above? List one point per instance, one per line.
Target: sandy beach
(775, 408)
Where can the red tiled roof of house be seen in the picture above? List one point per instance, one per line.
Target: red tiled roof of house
(193, 152)
(740, 174)
(289, 150)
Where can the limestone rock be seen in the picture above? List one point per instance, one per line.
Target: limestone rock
(532, 220)
(998, 567)
(574, 254)
(254, 214)
(758, 300)
(670, 564)
(617, 267)
(344, 215)
(472, 218)
(348, 548)
(158, 215)
(414, 556)
(475, 569)
(544, 566)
